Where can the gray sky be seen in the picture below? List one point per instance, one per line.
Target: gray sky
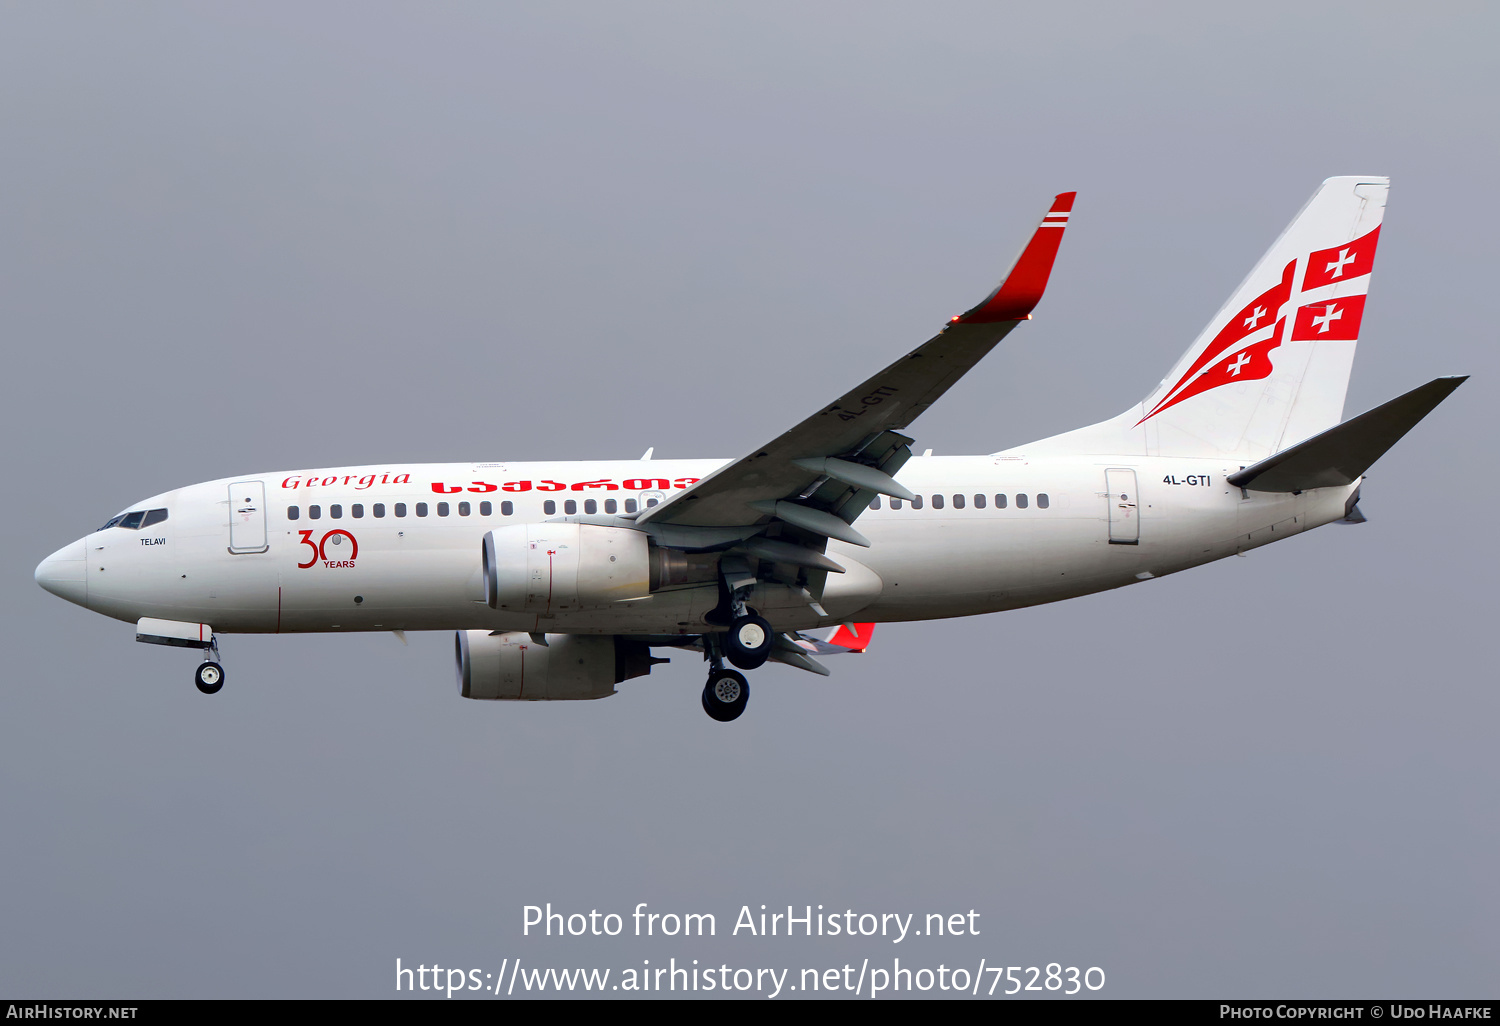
(241, 238)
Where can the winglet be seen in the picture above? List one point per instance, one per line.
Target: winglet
(856, 640)
(1019, 293)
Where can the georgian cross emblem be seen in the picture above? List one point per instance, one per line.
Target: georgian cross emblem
(1254, 318)
(1239, 364)
(1337, 266)
(1330, 314)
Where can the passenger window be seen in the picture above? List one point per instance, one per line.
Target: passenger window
(916, 502)
(629, 505)
(132, 520)
(979, 500)
(292, 513)
(895, 504)
(507, 508)
(549, 507)
(1042, 500)
(379, 510)
(1000, 502)
(486, 508)
(590, 506)
(611, 506)
(958, 502)
(1021, 501)
(315, 512)
(335, 512)
(400, 509)
(357, 511)
(651, 502)
(421, 509)
(442, 509)
(937, 502)
(570, 507)
(875, 502)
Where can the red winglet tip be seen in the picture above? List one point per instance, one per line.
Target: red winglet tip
(1022, 288)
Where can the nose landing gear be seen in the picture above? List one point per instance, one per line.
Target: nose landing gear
(210, 673)
(209, 678)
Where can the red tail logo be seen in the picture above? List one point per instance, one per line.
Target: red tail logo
(1331, 320)
(1257, 315)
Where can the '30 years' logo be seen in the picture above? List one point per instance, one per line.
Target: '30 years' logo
(320, 549)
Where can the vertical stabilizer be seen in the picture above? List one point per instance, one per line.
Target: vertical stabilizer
(1272, 366)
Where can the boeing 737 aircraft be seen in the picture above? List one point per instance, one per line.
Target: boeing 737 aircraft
(560, 578)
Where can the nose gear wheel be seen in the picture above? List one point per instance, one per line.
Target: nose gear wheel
(209, 677)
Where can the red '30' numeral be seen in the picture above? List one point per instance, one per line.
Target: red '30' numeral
(307, 540)
(319, 547)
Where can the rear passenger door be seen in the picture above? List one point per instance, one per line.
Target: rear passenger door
(1124, 509)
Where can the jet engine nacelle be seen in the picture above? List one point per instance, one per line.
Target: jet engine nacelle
(550, 568)
(514, 666)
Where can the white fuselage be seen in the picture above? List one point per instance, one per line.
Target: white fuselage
(342, 567)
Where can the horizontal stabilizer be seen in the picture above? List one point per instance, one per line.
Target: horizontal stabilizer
(1341, 455)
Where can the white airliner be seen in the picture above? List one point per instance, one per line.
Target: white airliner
(560, 578)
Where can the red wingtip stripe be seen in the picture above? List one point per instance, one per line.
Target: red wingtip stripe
(854, 642)
(1022, 288)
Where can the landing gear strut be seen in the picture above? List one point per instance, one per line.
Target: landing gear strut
(750, 638)
(727, 692)
(210, 673)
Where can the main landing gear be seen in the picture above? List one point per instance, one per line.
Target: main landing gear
(210, 673)
(725, 695)
(727, 692)
(748, 642)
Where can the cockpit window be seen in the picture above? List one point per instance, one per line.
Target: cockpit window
(136, 519)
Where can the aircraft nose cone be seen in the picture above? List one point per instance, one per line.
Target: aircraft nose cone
(64, 573)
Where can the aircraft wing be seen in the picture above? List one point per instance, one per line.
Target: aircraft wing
(822, 474)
